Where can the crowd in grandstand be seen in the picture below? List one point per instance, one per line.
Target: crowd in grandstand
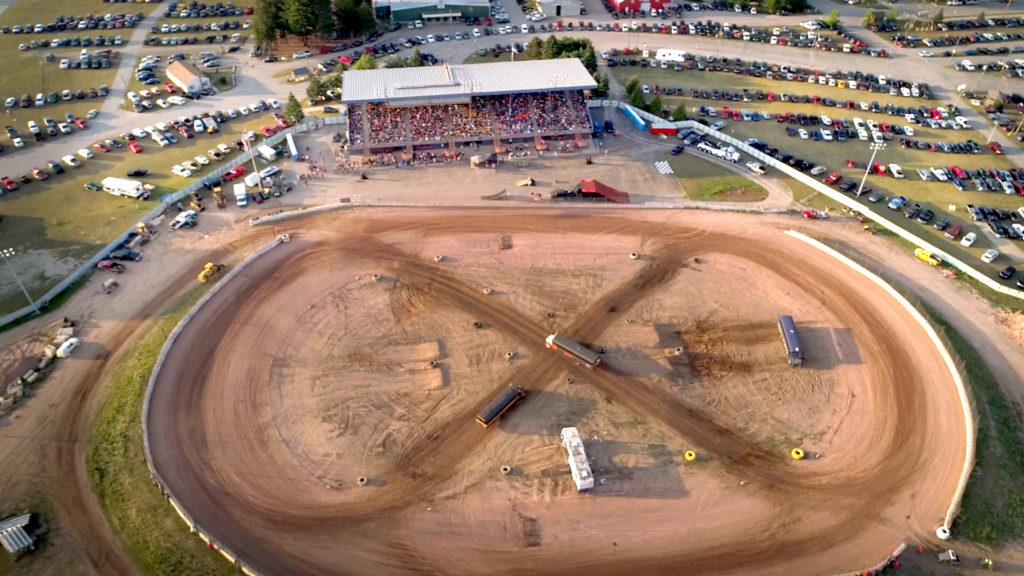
(519, 115)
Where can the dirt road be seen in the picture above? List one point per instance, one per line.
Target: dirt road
(239, 434)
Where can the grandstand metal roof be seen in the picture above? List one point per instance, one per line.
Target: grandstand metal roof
(411, 4)
(448, 82)
(13, 535)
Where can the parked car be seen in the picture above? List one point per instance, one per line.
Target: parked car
(989, 256)
(968, 239)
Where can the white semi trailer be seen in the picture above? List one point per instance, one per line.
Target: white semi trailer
(579, 466)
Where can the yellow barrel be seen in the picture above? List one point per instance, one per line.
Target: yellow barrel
(797, 454)
(690, 456)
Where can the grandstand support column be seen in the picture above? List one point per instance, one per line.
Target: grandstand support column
(499, 148)
(366, 129)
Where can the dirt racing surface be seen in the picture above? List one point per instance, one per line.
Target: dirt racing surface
(354, 351)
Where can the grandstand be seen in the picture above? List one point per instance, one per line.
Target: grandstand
(436, 106)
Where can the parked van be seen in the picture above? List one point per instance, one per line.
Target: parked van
(241, 197)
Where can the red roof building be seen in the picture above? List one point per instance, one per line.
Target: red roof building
(635, 6)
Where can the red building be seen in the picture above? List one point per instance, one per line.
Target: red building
(635, 6)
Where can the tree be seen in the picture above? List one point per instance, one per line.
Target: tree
(656, 106)
(981, 16)
(367, 21)
(299, 17)
(773, 6)
(870, 18)
(320, 12)
(893, 15)
(832, 20)
(679, 114)
(636, 99)
(602, 86)
(534, 49)
(269, 23)
(332, 82)
(550, 48)
(632, 85)
(346, 17)
(589, 59)
(293, 110)
(938, 17)
(315, 89)
(365, 62)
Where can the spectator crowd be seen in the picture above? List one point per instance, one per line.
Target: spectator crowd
(511, 116)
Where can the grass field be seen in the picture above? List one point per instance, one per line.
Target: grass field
(56, 224)
(25, 72)
(934, 195)
(992, 511)
(703, 180)
(152, 533)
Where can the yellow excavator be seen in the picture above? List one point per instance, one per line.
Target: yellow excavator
(209, 271)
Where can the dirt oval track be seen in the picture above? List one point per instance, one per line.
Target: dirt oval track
(230, 431)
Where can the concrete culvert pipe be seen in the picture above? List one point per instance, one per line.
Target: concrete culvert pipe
(678, 350)
(487, 291)
(505, 470)
(375, 277)
(942, 533)
(477, 324)
(433, 363)
(438, 258)
(568, 380)
(634, 256)
(285, 238)
(361, 480)
(509, 355)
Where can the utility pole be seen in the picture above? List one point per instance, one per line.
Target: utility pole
(875, 147)
(7, 254)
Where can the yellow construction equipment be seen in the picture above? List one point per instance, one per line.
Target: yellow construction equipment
(209, 271)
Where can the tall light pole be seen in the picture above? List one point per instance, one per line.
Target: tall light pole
(7, 254)
(875, 148)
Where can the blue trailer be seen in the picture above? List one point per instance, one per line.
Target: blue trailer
(635, 118)
(790, 338)
(292, 150)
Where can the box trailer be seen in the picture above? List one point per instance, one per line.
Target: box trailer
(123, 187)
(579, 466)
(241, 196)
(790, 338)
(266, 152)
(501, 404)
(573, 349)
(292, 149)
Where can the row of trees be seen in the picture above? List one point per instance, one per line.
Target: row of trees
(635, 93)
(552, 48)
(341, 18)
(791, 6)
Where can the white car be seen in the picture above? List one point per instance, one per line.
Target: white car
(18, 142)
(755, 168)
(178, 170)
(826, 134)
(71, 161)
(1018, 228)
(803, 134)
(896, 170)
(162, 103)
(275, 104)
(202, 160)
(190, 166)
(139, 133)
(64, 128)
(68, 347)
(85, 153)
(176, 100)
(969, 239)
(243, 110)
(989, 256)
(224, 149)
(926, 54)
(232, 113)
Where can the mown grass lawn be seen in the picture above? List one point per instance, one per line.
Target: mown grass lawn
(703, 180)
(56, 224)
(151, 531)
(933, 195)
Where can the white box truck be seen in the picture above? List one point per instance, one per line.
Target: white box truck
(252, 180)
(241, 198)
(123, 187)
(266, 152)
(211, 125)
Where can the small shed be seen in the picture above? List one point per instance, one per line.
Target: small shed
(13, 536)
(300, 74)
(187, 77)
(596, 188)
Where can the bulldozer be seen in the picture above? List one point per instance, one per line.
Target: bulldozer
(209, 271)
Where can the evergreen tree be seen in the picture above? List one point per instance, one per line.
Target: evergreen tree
(832, 20)
(636, 99)
(679, 114)
(602, 86)
(589, 59)
(315, 89)
(365, 62)
(299, 17)
(269, 23)
(293, 110)
(632, 85)
(346, 17)
(534, 49)
(550, 48)
(656, 106)
(938, 17)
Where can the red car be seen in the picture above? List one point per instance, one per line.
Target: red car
(185, 131)
(833, 178)
(267, 131)
(39, 174)
(996, 147)
(8, 184)
(170, 88)
(135, 147)
(235, 173)
(81, 124)
(100, 148)
(879, 168)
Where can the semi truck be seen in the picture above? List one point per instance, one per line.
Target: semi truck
(123, 187)
(501, 404)
(573, 349)
(790, 338)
